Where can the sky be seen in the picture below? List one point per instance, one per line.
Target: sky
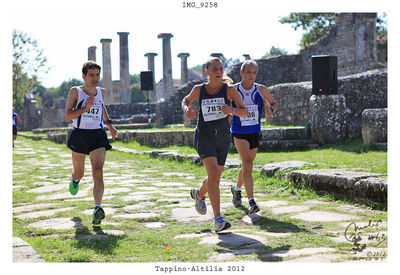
(65, 37)
(65, 29)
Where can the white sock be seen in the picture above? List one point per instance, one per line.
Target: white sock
(251, 199)
(236, 188)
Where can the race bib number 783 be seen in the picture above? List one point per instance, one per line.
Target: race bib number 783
(212, 108)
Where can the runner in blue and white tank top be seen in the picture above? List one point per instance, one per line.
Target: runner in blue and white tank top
(85, 108)
(16, 121)
(212, 135)
(93, 117)
(246, 131)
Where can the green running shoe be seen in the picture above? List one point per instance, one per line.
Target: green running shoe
(73, 187)
(98, 215)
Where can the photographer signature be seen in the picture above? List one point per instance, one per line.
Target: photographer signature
(353, 234)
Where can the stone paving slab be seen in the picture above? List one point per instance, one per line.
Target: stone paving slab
(137, 215)
(43, 213)
(271, 169)
(227, 239)
(29, 207)
(297, 252)
(47, 188)
(57, 223)
(323, 216)
(188, 215)
(23, 252)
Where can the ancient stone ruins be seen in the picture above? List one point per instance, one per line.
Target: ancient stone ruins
(361, 100)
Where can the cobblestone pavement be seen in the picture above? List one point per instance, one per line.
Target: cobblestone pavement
(135, 194)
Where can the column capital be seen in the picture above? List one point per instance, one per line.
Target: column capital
(122, 33)
(150, 54)
(165, 35)
(246, 56)
(219, 55)
(183, 55)
(105, 40)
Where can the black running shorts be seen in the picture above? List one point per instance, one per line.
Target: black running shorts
(253, 139)
(212, 144)
(85, 141)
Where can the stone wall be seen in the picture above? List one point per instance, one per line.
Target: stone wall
(53, 111)
(362, 91)
(352, 39)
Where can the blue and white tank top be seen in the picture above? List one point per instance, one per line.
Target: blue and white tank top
(254, 102)
(15, 121)
(92, 118)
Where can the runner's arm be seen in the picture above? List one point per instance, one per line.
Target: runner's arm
(187, 101)
(70, 112)
(270, 102)
(106, 117)
(241, 109)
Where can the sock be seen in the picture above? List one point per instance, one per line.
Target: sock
(75, 181)
(236, 188)
(96, 206)
(251, 199)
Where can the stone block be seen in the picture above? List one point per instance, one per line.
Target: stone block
(374, 126)
(328, 118)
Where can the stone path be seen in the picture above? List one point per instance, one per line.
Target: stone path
(157, 198)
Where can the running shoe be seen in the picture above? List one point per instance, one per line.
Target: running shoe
(237, 196)
(220, 224)
(253, 207)
(200, 204)
(98, 215)
(73, 187)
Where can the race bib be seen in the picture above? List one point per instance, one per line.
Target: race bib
(252, 117)
(212, 108)
(93, 115)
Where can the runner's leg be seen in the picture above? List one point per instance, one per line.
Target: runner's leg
(97, 158)
(214, 172)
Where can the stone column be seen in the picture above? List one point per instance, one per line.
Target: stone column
(124, 68)
(246, 56)
(92, 53)
(150, 67)
(167, 64)
(184, 68)
(107, 81)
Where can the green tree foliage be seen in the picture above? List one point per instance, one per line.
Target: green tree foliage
(137, 95)
(314, 25)
(62, 90)
(317, 25)
(28, 63)
(274, 51)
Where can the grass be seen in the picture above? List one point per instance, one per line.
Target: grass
(50, 162)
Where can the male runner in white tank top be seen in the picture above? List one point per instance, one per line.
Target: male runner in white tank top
(85, 107)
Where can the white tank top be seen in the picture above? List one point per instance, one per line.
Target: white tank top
(92, 118)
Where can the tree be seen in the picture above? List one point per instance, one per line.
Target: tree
(315, 25)
(28, 63)
(318, 25)
(274, 51)
(62, 90)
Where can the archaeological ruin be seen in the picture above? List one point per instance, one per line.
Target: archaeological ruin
(362, 85)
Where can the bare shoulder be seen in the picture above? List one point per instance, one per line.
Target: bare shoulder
(103, 91)
(73, 92)
(262, 87)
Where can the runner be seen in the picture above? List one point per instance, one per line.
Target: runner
(16, 121)
(212, 135)
(246, 131)
(85, 107)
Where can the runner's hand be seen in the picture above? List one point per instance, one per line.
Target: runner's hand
(226, 109)
(113, 131)
(189, 113)
(89, 102)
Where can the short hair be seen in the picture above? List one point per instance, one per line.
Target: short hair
(90, 65)
(212, 60)
(248, 63)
